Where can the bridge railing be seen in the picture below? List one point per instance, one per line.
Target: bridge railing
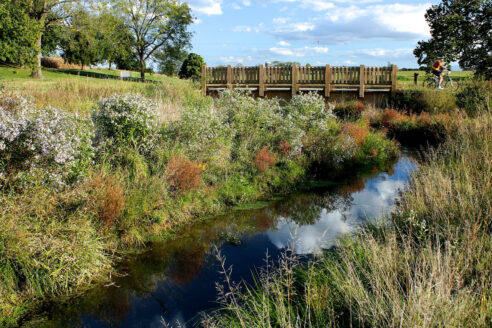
(304, 78)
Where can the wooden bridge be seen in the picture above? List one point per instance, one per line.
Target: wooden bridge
(328, 80)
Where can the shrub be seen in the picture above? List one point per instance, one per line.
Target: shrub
(308, 111)
(55, 62)
(126, 120)
(357, 132)
(475, 98)
(350, 110)
(438, 101)
(49, 143)
(183, 174)
(265, 159)
(109, 199)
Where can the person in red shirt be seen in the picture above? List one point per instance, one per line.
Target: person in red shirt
(436, 70)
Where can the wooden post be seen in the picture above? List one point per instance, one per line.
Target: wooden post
(394, 83)
(261, 81)
(204, 79)
(362, 81)
(327, 81)
(294, 80)
(229, 77)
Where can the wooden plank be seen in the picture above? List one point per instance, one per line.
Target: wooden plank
(294, 79)
(204, 80)
(361, 81)
(229, 77)
(394, 82)
(261, 78)
(327, 80)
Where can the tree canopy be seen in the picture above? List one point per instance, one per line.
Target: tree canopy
(192, 67)
(154, 24)
(460, 30)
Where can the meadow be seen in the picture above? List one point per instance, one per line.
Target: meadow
(92, 169)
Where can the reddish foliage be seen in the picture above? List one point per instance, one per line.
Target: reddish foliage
(109, 199)
(389, 115)
(183, 174)
(284, 148)
(358, 133)
(264, 159)
(360, 106)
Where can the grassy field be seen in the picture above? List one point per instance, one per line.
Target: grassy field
(405, 78)
(77, 93)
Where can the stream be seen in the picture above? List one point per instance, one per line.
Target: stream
(176, 279)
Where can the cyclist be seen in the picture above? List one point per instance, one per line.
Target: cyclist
(436, 70)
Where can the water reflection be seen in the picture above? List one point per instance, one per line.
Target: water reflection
(176, 279)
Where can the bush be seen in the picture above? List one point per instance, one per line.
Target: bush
(126, 120)
(350, 110)
(183, 174)
(308, 111)
(50, 143)
(475, 98)
(265, 159)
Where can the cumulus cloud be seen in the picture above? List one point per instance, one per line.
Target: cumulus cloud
(206, 7)
(283, 44)
(338, 25)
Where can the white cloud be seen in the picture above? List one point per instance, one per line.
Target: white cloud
(242, 28)
(206, 7)
(281, 20)
(283, 44)
(338, 25)
(298, 52)
(236, 60)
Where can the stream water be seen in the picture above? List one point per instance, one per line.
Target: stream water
(176, 279)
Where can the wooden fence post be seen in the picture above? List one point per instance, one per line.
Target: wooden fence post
(394, 83)
(229, 77)
(204, 79)
(261, 81)
(327, 80)
(294, 80)
(362, 81)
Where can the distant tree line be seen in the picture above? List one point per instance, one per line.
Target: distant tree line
(126, 34)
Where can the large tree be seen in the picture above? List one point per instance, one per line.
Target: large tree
(154, 24)
(48, 13)
(80, 43)
(460, 30)
(18, 32)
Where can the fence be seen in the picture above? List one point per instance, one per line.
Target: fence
(296, 79)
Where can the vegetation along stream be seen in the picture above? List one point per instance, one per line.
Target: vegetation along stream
(175, 280)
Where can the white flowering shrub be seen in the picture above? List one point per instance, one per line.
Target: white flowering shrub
(309, 111)
(48, 143)
(127, 120)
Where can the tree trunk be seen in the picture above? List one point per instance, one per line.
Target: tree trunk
(142, 69)
(110, 65)
(36, 69)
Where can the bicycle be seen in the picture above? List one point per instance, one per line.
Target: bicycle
(432, 81)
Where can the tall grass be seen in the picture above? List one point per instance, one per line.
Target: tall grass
(430, 266)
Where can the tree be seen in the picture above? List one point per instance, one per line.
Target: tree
(18, 33)
(154, 24)
(47, 13)
(170, 59)
(192, 67)
(79, 43)
(460, 30)
(115, 38)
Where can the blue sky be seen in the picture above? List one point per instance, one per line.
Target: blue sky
(319, 32)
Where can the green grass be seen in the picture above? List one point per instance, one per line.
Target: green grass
(405, 79)
(78, 93)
